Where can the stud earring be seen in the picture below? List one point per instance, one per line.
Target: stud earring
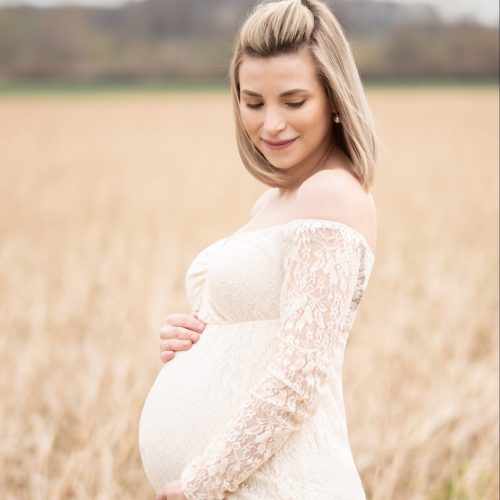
(336, 118)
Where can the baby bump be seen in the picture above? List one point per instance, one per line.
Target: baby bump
(196, 393)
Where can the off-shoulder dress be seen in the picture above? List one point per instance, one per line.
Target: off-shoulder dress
(254, 410)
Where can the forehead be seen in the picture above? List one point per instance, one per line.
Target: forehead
(297, 70)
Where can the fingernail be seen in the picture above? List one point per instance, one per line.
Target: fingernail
(195, 337)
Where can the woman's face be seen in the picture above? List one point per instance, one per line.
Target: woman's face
(272, 109)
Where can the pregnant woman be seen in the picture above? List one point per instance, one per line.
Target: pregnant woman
(254, 410)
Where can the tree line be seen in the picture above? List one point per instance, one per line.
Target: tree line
(168, 40)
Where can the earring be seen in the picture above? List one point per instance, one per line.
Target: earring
(336, 118)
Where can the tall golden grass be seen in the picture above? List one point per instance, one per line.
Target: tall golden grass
(106, 199)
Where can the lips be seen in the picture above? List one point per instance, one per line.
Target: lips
(279, 143)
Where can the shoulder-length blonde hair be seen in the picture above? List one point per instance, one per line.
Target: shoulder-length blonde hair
(279, 27)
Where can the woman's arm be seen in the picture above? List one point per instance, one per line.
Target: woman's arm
(321, 265)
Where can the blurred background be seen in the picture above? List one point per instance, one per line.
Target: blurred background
(170, 40)
(118, 164)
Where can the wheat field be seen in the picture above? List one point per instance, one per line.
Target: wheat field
(106, 199)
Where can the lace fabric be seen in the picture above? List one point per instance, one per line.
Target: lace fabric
(320, 292)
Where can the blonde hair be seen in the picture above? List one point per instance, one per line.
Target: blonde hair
(286, 26)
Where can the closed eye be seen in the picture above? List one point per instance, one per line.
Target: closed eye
(290, 104)
(254, 106)
(296, 104)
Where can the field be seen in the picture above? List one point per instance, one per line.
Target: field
(106, 199)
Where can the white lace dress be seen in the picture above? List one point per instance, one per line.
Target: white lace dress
(254, 410)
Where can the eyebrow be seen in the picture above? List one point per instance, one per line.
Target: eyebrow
(283, 94)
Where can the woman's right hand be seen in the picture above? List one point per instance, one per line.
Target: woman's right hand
(179, 333)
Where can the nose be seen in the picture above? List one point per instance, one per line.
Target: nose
(273, 123)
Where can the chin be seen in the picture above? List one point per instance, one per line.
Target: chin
(280, 165)
(283, 163)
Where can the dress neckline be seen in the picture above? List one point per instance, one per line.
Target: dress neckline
(326, 222)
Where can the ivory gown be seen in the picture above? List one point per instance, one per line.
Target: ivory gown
(254, 410)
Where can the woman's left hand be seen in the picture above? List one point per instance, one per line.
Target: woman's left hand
(171, 491)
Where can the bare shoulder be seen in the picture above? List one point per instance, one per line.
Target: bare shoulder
(262, 201)
(338, 196)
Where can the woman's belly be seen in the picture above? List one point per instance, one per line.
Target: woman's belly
(198, 392)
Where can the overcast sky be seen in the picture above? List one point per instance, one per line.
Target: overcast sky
(484, 10)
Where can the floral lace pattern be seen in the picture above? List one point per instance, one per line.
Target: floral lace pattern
(324, 278)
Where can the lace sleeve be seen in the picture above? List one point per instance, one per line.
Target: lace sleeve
(321, 266)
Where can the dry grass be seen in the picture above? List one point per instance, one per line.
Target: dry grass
(105, 201)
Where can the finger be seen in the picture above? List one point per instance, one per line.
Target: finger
(175, 319)
(166, 356)
(200, 322)
(186, 321)
(194, 323)
(177, 332)
(175, 345)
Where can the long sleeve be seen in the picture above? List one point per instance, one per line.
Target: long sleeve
(321, 266)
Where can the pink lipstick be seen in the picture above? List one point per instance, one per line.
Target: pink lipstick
(279, 144)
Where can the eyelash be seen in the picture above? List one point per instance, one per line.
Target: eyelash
(291, 104)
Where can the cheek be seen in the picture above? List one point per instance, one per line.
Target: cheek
(249, 121)
(304, 121)
(317, 122)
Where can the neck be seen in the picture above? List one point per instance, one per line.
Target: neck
(333, 157)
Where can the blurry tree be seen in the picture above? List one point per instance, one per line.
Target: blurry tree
(168, 39)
